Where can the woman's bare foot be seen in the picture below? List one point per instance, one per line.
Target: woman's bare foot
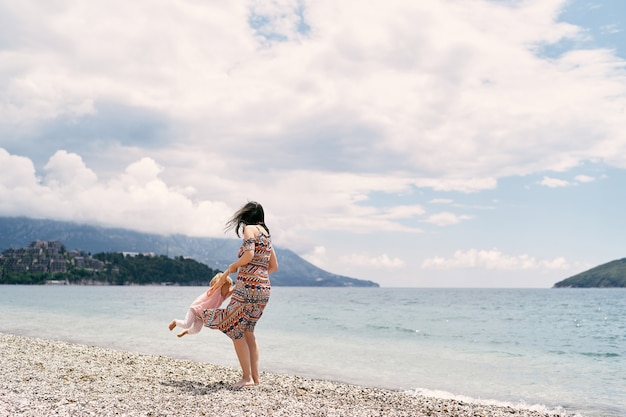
(184, 332)
(244, 383)
(172, 325)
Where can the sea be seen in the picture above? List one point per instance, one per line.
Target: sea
(551, 350)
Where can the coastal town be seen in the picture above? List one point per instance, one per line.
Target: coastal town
(46, 257)
(50, 263)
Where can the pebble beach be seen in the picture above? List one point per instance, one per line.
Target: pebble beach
(54, 378)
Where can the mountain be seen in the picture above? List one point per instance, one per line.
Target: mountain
(19, 232)
(608, 275)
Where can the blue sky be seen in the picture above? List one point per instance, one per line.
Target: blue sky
(475, 143)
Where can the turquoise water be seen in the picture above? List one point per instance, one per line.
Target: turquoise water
(547, 349)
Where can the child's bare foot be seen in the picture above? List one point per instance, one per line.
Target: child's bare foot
(184, 332)
(172, 325)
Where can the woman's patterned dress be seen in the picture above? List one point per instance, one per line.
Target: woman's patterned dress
(251, 294)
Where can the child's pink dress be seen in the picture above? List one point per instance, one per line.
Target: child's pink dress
(212, 298)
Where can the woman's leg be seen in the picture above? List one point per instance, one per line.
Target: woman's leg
(243, 354)
(253, 350)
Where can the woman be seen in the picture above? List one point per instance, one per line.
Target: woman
(252, 289)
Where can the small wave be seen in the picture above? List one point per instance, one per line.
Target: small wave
(396, 328)
(407, 330)
(588, 354)
(316, 318)
(600, 354)
(444, 395)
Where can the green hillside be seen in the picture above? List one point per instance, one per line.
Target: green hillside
(609, 275)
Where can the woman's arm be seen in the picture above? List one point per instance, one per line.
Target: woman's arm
(246, 257)
(244, 260)
(273, 264)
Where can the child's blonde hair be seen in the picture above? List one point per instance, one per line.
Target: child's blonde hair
(217, 276)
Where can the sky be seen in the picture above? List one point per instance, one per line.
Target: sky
(450, 143)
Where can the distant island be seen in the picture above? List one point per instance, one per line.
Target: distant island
(608, 275)
(215, 253)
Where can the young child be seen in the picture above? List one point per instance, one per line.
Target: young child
(221, 287)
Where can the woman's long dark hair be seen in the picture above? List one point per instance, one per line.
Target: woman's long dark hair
(251, 213)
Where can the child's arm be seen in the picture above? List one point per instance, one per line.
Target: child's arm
(227, 289)
(219, 281)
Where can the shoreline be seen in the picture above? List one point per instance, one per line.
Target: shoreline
(47, 377)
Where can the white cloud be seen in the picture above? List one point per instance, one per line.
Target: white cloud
(441, 201)
(140, 198)
(555, 264)
(559, 183)
(584, 179)
(402, 212)
(16, 171)
(136, 199)
(317, 256)
(466, 185)
(611, 29)
(446, 218)
(380, 261)
(492, 259)
(65, 170)
(455, 99)
(554, 182)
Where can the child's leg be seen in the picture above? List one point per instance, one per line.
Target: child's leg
(185, 324)
(194, 328)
